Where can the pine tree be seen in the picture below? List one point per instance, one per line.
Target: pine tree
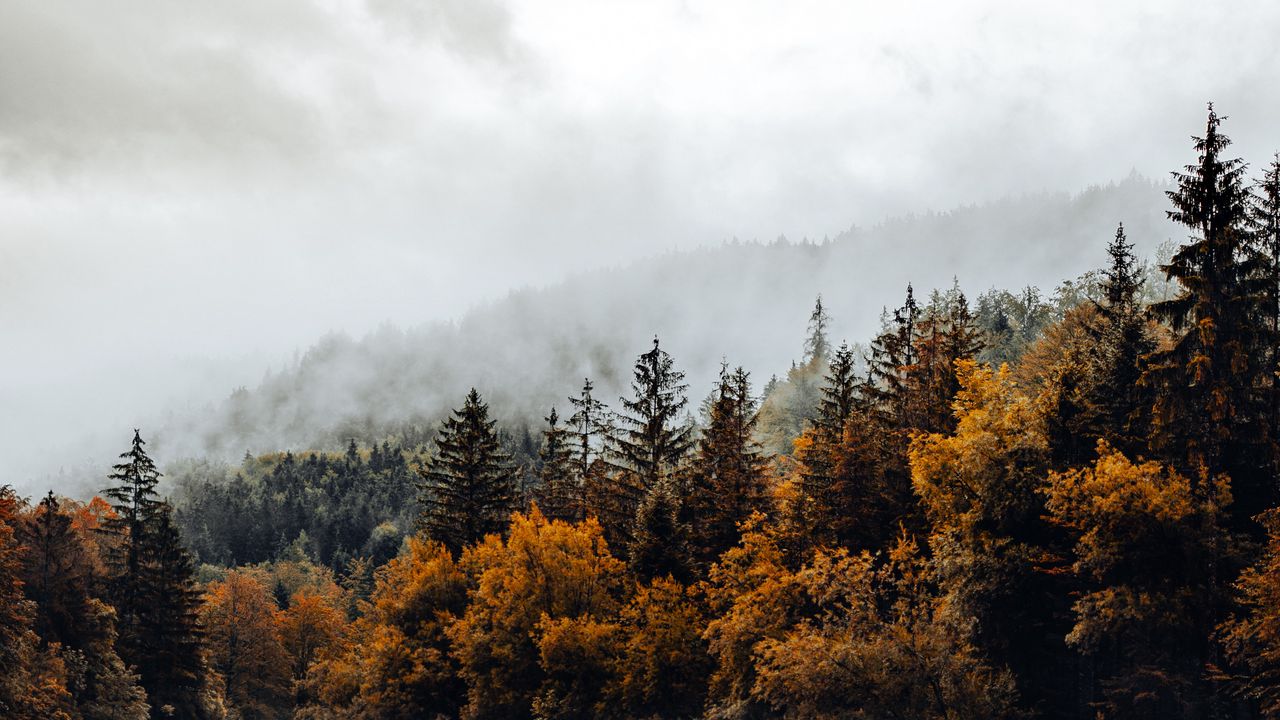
(659, 544)
(1264, 221)
(590, 427)
(816, 346)
(1119, 404)
(152, 586)
(728, 475)
(839, 393)
(893, 353)
(1211, 408)
(560, 496)
(469, 488)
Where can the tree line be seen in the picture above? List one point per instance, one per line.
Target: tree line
(963, 523)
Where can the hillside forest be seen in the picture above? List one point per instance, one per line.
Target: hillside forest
(1011, 507)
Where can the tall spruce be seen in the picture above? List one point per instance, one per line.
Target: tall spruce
(590, 428)
(647, 447)
(728, 482)
(468, 488)
(1211, 409)
(560, 490)
(1264, 220)
(653, 438)
(893, 354)
(816, 346)
(151, 582)
(1119, 404)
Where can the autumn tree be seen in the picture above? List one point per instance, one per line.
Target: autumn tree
(469, 487)
(242, 626)
(980, 492)
(661, 666)
(752, 596)
(1149, 542)
(1251, 638)
(397, 665)
(32, 679)
(544, 573)
(878, 643)
(61, 576)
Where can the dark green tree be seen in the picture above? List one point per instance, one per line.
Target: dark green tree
(468, 490)
(652, 438)
(1211, 383)
(560, 491)
(728, 474)
(152, 586)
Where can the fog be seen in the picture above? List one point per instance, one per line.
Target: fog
(193, 194)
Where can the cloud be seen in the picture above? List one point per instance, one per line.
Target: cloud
(189, 184)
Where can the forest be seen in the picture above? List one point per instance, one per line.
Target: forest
(1017, 507)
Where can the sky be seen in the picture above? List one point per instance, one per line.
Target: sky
(191, 192)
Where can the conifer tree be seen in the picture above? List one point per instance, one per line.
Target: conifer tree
(560, 496)
(839, 393)
(1264, 220)
(1120, 405)
(659, 544)
(590, 427)
(152, 585)
(1211, 407)
(893, 353)
(469, 488)
(31, 686)
(60, 577)
(728, 479)
(816, 346)
(653, 439)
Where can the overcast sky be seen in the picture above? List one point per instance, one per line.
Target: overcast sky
(190, 191)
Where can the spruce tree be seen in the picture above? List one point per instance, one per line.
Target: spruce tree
(560, 493)
(1211, 408)
(839, 393)
(1118, 404)
(652, 438)
(590, 427)
(152, 586)
(1264, 220)
(648, 446)
(728, 475)
(893, 354)
(816, 346)
(468, 490)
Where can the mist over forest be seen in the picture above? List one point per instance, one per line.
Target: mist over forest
(531, 349)
(677, 360)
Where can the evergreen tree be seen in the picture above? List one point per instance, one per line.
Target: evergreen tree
(653, 439)
(468, 490)
(152, 586)
(816, 346)
(839, 393)
(659, 544)
(893, 353)
(1119, 403)
(1211, 408)
(590, 427)
(728, 476)
(560, 496)
(1264, 220)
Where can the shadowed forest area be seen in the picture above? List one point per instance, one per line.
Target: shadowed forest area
(1010, 506)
